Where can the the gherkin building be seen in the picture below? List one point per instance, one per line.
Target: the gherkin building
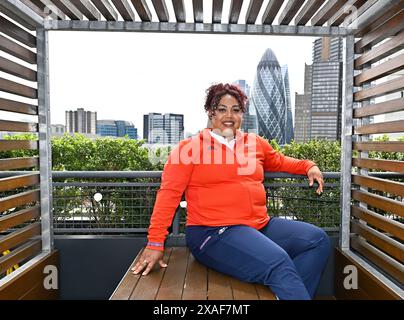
(271, 98)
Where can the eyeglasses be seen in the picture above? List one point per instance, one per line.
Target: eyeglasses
(223, 110)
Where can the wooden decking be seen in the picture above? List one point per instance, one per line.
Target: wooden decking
(186, 279)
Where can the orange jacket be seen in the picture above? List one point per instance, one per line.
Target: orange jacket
(222, 187)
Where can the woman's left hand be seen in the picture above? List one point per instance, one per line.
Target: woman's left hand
(314, 173)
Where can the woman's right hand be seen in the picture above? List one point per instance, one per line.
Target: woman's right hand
(148, 259)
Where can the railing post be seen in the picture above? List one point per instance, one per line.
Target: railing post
(176, 222)
(45, 154)
(346, 140)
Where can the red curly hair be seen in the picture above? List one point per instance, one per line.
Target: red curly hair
(215, 92)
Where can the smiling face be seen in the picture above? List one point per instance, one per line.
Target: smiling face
(227, 116)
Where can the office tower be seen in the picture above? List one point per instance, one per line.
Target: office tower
(250, 121)
(289, 133)
(57, 129)
(163, 128)
(269, 98)
(116, 128)
(326, 89)
(303, 108)
(81, 121)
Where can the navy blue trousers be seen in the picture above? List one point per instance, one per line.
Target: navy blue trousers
(287, 256)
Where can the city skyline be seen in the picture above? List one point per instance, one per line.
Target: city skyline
(116, 83)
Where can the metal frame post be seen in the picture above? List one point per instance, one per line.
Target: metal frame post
(346, 140)
(45, 154)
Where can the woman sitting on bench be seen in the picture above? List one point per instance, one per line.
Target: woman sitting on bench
(221, 171)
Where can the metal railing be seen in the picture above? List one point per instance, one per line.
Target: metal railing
(122, 202)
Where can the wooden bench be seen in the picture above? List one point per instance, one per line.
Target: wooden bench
(186, 279)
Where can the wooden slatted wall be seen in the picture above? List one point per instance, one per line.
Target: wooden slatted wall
(378, 205)
(20, 228)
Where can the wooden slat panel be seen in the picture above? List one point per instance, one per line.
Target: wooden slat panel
(142, 10)
(196, 280)
(386, 165)
(20, 236)
(384, 16)
(124, 9)
(14, 17)
(264, 293)
(219, 286)
(395, 228)
(17, 50)
(19, 199)
(147, 287)
(380, 108)
(271, 11)
(39, 4)
(384, 69)
(253, 10)
(379, 240)
(234, 11)
(16, 69)
(16, 218)
(290, 10)
(19, 107)
(6, 145)
(128, 282)
(179, 11)
(384, 50)
(379, 202)
(369, 287)
(217, 8)
(18, 126)
(390, 28)
(17, 33)
(68, 9)
(388, 146)
(380, 90)
(379, 258)
(17, 88)
(243, 290)
(393, 187)
(33, 276)
(326, 12)
(345, 11)
(308, 10)
(106, 9)
(383, 127)
(40, 293)
(87, 9)
(34, 7)
(56, 12)
(15, 182)
(197, 6)
(161, 10)
(18, 163)
(21, 253)
(172, 285)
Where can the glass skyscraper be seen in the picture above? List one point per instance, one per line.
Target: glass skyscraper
(289, 133)
(116, 128)
(326, 89)
(270, 98)
(250, 121)
(163, 128)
